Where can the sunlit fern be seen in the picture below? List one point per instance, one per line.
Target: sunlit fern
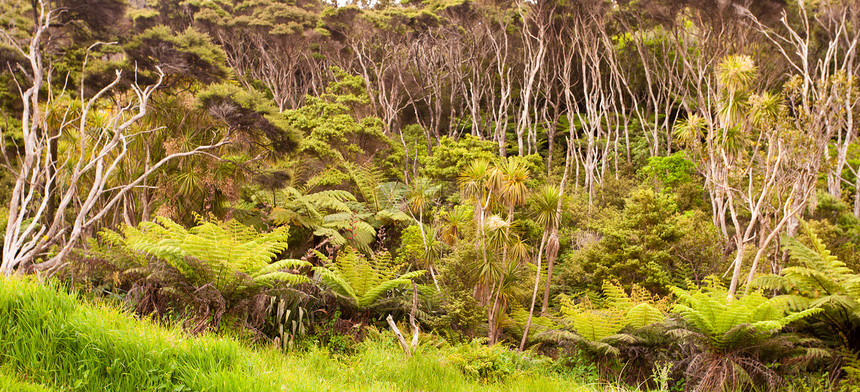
(818, 279)
(733, 341)
(728, 324)
(229, 251)
(601, 327)
(360, 280)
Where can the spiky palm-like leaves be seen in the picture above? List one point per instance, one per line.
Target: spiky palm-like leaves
(502, 184)
(220, 253)
(732, 342)
(817, 279)
(509, 179)
(454, 223)
(360, 280)
(473, 181)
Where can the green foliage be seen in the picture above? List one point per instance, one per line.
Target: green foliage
(321, 153)
(250, 112)
(729, 323)
(734, 338)
(460, 317)
(65, 342)
(817, 280)
(451, 157)
(8, 382)
(225, 254)
(486, 363)
(333, 132)
(833, 221)
(851, 367)
(327, 213)
(343, 217)
(360, 280)
(598, 328)
(413, 250)
(671, 171)
(651, 243)
(187, 54)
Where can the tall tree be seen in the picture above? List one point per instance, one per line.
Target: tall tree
(80, 175)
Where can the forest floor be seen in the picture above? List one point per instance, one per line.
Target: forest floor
(54, 341)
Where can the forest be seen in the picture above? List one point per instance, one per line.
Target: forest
(430, 195)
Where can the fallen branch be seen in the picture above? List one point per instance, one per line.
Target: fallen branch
(416, 332)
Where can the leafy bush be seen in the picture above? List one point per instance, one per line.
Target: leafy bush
(650, 242)
(486, 363)
(334, 130)
(451, 157)
(671, 171)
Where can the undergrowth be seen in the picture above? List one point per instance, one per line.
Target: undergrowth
(64, 342)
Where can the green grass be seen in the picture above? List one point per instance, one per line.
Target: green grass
(10, 380)
(61, 341)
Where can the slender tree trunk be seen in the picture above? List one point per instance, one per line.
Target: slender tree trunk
(534, 293)
(550, 263)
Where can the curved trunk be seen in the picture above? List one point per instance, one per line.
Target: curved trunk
(534, 294)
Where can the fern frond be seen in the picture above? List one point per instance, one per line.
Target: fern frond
(271, 278)
(336, 283)
(333, 236)
(279, 265)
(211, 252)
(370, 296)
(364, 281)
(773, 282)
(614, 296)
(621, 338)
(642, 315)
(727, 323)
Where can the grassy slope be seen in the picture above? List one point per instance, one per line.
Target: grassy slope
(55, 339)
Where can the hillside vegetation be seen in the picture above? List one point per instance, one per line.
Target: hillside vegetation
(52, 341)
(430, 195)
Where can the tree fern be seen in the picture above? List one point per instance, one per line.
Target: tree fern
(818, 279)
(367, 179)
(598, 327)
(708, 312)
(361, 280)
(221, 253)
(332, 214)
(733, 341)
